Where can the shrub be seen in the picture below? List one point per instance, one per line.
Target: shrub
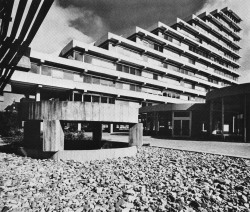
(9, 124)
(74, 136)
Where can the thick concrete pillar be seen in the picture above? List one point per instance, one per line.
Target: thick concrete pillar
(53, 136)
(111, 128)
(32, 135)
(97, 134)
(136, 135)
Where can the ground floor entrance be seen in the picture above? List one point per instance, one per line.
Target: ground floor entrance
(181, 128)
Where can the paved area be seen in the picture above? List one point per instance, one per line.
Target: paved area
(214, 147)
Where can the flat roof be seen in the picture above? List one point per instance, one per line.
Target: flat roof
(240, 89)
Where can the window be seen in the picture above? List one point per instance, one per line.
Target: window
(68, 75)
(155, 76)
(96, 80)
(111, 100)
(70, 56)
(87, 98)
(104, 82)
(104, 99)
(77, 97)
(119, 67)
(192, 61)
(35, 68)
(138, 88)
(119, 85)
(181, 114)
(57, 73)
(169, 38)
(132, 87)
(157, 47)
(132, 71)
(88, 59)
(128, 69)
(137, 72)
(87, 79)
(174, 68)
(46, 70)
(95, 98)
(78, 56)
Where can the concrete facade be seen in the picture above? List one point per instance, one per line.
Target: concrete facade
(173, 64)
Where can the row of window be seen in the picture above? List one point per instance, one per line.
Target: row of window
(93, 98)
(213, 58)
(193, 49)
(128, 69)
(193, 37)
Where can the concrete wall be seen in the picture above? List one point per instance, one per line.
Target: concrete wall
(78, 111)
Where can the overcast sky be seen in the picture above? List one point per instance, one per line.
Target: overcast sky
(88, 20)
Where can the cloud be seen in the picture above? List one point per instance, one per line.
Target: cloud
(97, 17)
(55, 32)
(241, 8)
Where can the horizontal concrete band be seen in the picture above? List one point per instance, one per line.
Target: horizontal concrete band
(78, 111)
(81, 155)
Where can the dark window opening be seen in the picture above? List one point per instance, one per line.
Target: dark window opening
(104, 99)
(87, 98)
(155, 76)
(111, 101)
(95, 98)
(77, 97)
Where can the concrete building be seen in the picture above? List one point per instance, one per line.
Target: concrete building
(167, 64)
(175, 64)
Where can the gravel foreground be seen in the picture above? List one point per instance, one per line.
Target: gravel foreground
(157, 180)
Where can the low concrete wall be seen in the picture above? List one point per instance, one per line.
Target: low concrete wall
(80, 155)
(99, 154)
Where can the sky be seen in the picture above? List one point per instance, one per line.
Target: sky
(88, 20)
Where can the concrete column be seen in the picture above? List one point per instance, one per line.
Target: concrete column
(245, 118)
(97, 133)
(156, 118)
(38, 94)
(53, 136)
(233, 125)
(211, 117)
(222, 115)
(136, 135)
(32, 135)
(111, 128)
(79, 126)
